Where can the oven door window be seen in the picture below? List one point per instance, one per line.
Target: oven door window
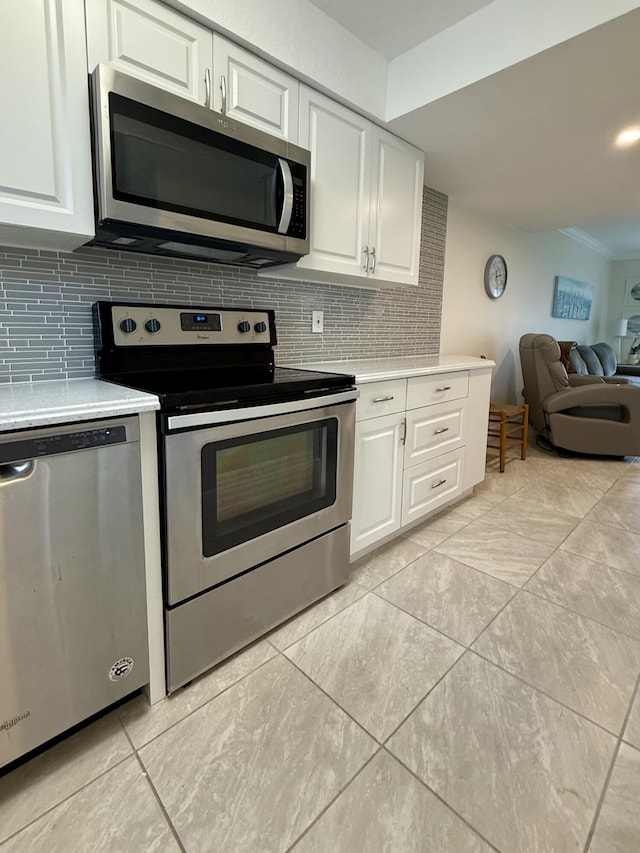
(256, 483)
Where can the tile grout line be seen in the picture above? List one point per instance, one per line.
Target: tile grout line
(65, 799)
(577, 612)
(432, 627)
(333, 800)
(442, 800)
(604, 562)
(324, 622)
(207, 702)
(331, 699)
(161, 805)
(425, 697)
(543, 693)
(154, 792)
(607, 780)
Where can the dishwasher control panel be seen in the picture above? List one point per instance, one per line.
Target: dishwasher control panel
(66, 442)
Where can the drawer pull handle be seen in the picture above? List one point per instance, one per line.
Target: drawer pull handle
(441, 430)
(438, 484)
(444, 388)
(382, 399)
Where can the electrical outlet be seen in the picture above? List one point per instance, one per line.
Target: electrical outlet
(317, 321)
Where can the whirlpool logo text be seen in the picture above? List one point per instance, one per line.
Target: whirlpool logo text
(5, 725)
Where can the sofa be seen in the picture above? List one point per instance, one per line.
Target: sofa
(596, 360)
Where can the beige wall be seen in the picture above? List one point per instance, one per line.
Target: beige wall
(473, 323)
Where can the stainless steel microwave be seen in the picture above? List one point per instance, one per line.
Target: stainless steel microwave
(175, 178)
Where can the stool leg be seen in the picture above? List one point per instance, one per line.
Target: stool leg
(525, 431)
(503, 441)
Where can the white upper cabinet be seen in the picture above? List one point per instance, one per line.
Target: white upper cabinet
(366, 199)
(46, 196)
(396, 208)
(340, 145)
(148, 40)
(250, 90)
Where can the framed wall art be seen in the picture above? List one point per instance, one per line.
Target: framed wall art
(632, 293)
(571, 299)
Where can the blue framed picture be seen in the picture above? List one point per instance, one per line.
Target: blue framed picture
(572, 299)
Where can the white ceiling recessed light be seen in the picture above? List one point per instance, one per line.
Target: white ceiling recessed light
(628, 136)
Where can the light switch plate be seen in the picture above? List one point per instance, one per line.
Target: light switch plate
(317, 321)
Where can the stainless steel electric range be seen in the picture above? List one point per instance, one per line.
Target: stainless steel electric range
(256, 469)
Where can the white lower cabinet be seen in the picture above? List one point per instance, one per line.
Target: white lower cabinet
(421, 456)
(377, 497)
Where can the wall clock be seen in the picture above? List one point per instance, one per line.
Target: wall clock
(495, 276)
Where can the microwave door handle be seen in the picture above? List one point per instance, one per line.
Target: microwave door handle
(287, 196)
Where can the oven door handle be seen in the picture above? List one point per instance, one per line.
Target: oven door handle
(252, 413)
(287, 196)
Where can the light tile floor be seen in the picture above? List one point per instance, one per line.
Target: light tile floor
(474, 688)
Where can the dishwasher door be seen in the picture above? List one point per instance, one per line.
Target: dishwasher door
(73, 629)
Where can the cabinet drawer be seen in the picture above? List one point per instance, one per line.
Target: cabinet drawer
(434, 430)
(427, 486)
(381, 398)
(437, 388)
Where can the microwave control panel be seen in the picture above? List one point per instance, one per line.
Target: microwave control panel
(298, 225)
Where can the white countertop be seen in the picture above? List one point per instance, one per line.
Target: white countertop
(377, 369)
(37, 404)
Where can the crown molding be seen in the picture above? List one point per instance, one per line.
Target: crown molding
(590, 242)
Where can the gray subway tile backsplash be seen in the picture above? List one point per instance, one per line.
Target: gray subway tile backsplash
(46, 327)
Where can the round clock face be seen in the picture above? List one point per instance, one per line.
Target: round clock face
(495, 276)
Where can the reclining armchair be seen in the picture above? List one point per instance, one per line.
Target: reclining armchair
(587, 414)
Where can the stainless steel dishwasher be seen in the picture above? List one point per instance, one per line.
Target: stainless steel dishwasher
(73, 627)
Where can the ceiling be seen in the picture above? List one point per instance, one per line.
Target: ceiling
(393, 28)
(533, 145)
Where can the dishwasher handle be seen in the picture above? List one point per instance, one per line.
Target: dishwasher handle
(11, 472)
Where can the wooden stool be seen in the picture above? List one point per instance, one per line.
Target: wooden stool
(511, 424)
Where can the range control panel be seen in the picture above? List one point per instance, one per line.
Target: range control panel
(144, 325)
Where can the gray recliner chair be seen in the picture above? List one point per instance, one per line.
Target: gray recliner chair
(587, 414)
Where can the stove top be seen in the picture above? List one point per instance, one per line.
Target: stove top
(198, 358)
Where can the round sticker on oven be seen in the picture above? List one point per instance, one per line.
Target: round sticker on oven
(120, 669)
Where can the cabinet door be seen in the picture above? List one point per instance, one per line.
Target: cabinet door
(252, 91)
(431, 484)
(340, 144)
(149, 41)
(396, 209)
(377, 490)
(45, 157)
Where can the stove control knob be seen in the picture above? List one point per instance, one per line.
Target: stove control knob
(245, 326)
(128, 325)
(152, 325)
(260, 327)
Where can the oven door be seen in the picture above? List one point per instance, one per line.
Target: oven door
(239, 494)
